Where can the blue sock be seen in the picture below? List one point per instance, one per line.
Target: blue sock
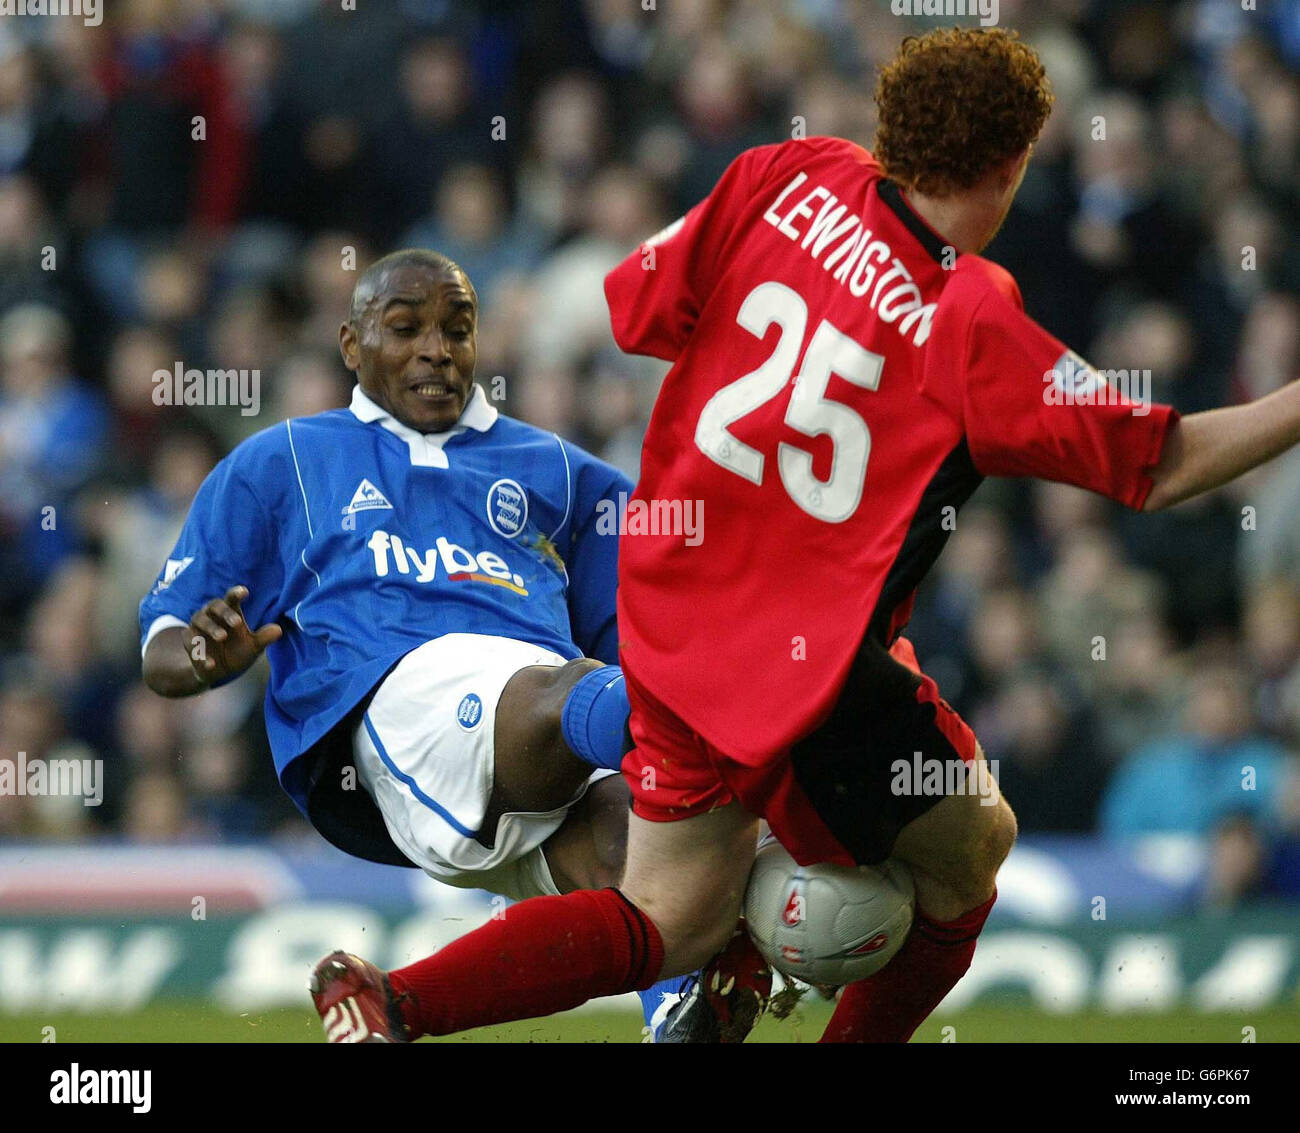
(652, 1000)
(595, 715)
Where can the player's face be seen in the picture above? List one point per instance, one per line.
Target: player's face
(415, 347)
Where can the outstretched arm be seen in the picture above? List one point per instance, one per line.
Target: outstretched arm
(1207, 450)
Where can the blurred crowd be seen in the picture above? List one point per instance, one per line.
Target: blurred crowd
(198, 181)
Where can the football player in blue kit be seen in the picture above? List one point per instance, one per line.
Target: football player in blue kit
(435, 592)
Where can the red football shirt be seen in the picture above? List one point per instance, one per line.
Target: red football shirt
(841, 382)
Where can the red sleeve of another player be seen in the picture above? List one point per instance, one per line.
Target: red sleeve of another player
(655, 295)
(1032, 407)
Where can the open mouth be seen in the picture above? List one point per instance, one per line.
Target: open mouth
(435, 391)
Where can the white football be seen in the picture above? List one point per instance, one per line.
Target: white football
(827, 924)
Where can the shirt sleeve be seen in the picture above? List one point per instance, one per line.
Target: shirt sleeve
(656, 294)
(1032, 407)
(227, 541)
(592, 560)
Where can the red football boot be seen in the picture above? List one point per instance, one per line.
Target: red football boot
(724, 1002)
(356, 1002)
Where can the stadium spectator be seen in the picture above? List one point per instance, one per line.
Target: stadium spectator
(438, 125)
(471, 220)
(53, 428)
(1272, 643)
(1215, 768)
(567, 326)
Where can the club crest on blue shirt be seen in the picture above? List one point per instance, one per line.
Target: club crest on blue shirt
(469, 713)
(507, 508)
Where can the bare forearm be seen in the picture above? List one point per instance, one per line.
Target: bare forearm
(167, 668)
(222, 646)
(1207, 450)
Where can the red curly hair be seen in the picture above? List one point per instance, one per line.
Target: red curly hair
(956, 103)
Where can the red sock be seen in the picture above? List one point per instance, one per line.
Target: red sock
(889, 1006)
(543, 955)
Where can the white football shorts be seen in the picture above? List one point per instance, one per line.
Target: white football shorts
(424, 752)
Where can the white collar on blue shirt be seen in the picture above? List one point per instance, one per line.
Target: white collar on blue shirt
(426, 448)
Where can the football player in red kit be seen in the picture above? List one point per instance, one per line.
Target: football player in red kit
(846, 369)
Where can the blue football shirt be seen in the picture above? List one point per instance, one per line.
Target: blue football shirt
(364, 539)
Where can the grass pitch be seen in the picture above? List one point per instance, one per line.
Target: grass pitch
(183, 1022)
